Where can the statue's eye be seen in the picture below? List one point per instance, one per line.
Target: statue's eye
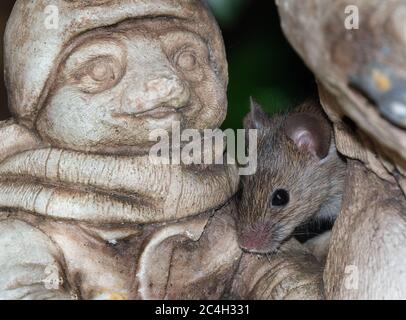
(190, 60)
(187, 60)
(99, 74)
(280, 198)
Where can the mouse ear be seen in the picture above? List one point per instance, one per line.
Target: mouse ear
(257, 118)
(310, 133)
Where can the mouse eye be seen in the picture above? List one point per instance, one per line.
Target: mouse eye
(280, 198)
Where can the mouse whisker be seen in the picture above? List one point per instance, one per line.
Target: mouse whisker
(268, 257)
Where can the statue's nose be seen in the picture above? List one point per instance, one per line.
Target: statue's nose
(165, 90)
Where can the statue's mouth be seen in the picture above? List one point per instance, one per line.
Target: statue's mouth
(160, 112)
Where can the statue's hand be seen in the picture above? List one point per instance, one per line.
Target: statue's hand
(15, 138)
(292, 273)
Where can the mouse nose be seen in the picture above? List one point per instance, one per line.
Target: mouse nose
(251, 245)
(254, 241)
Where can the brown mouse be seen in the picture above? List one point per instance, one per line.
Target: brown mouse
(299, 178)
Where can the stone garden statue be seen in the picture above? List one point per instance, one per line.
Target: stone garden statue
(84, 214)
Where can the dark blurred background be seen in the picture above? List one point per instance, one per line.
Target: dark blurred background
(261, 62)
(5, 6)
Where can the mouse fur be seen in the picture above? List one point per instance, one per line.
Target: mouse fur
(296, 154)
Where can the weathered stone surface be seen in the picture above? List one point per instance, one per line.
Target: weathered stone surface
(292, 273)
(367, 258)
(361, 75)
(84, 212)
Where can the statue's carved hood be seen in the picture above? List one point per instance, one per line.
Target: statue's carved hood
(32, 51)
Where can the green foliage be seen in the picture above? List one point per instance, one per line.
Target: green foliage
(262, 64)
(227, 11)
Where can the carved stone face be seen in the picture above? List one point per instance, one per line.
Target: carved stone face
(116, 85)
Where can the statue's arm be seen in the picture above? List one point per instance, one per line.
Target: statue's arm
(292, 273)
(15, 138)
(30, 264)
